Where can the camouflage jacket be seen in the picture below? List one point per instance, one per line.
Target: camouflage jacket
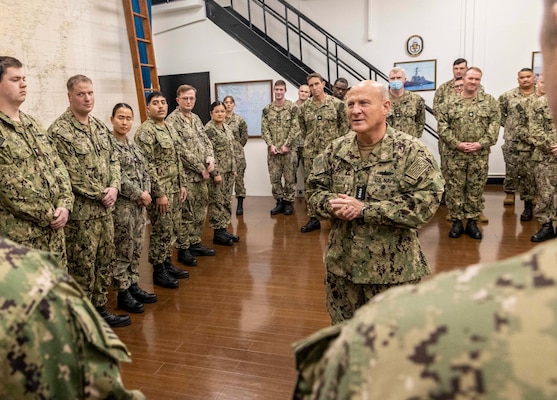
(462, 121)
(239, 128)
(542, 131)
(514, 115)
(87, 152)
(402, 185)
(321, 124)
(279, 125)
(198, 149)
(443, 92)
(223, 146)
(485, 332)
(161, 146)
(408, 114)
(34, 180)
(53, 344)
(133, 167)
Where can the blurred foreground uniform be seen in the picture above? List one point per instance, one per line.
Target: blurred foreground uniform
(486, 332)
(53, 344)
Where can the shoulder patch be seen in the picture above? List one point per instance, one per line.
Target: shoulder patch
(417, 169)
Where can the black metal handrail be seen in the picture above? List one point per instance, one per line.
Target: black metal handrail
(329, 46)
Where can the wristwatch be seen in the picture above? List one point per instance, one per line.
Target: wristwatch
(362, 211)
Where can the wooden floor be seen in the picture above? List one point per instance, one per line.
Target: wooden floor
(226, 333)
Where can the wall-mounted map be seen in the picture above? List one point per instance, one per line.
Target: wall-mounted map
(250, 98)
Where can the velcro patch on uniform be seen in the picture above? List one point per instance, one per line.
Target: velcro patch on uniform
(417, 169)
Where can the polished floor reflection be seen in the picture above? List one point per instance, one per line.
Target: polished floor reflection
(226, 333)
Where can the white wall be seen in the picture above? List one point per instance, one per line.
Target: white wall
(498, 36)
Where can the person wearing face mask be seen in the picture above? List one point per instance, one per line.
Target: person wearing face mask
(407, 108)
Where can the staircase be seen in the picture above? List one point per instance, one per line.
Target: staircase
(288, 41)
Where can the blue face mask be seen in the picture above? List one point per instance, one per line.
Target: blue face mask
(395, 85)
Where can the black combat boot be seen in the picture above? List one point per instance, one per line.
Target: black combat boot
(141, 295)
(220, 237)
(312, 225)
(288, 210)
(279, 208)
(457, 230)
(197, 250)
(240, 206)
(472, 229)
(162, 278)
(128, 303)
(113, 320)
(527, 213)
(185, 257)
(545, 233)
(174, 271)
(234, 238)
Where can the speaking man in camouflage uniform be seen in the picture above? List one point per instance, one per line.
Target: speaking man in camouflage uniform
(198, 161)
(239, 128)
(84, 145)
(279, 129)
(36, 193)
(516, 151)
(377, 186)
(485, 332)
(53, 344)
(129, 213)
(543, 137)
(161, 146)
(407, 108)
(322, 119)
(469, 126)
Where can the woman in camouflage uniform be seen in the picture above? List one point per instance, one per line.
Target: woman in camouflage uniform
(220, 186)
(239, 128)
(129, 213)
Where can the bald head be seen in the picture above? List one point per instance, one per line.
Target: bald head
(368, 106)
(372, 87)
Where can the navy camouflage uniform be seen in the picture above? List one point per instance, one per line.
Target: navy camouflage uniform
(92, 164)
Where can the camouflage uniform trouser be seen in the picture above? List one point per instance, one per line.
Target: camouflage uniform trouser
(344, 297)
(194, 212)
(91, 255)
(283, 166)
(53, 241)
(526, 179)
(220, 201)
(239, 186)
(164, 228)
(308, 165)
(300, 160)
(129, 229)
(512, 161)
(466, 178)
(546, 188)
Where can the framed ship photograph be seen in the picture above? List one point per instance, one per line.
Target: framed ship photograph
(420, 75)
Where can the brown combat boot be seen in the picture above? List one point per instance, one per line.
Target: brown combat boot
(509, 199)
